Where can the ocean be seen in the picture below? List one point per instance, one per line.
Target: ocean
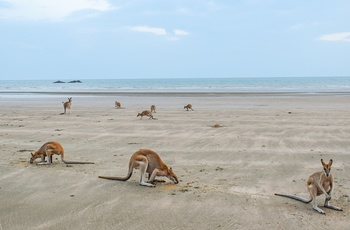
(228, 85)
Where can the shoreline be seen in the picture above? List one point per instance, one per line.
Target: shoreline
(178, 94)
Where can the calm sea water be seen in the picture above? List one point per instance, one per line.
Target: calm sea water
(300, 84)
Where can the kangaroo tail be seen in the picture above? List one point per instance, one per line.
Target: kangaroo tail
(118, 178)
(77, 162)
(295, 198)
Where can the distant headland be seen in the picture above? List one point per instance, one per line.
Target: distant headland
(75, 81)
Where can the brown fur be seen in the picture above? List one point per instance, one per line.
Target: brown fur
(318, 183)
(153, 108)
(147, 113)
(117, 104)
(147, 161)
(48, 150)
(67, 105)
(188, 106)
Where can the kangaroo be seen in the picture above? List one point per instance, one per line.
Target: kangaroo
(153, 108)
(117, 104)
(49, 149)
(189, 106)
(150, 162)
(318, 183)
(66, 105)
(145, 113)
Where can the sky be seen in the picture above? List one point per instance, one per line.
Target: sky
(112, 39)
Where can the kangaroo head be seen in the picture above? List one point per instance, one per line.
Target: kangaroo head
(327, 167)
(70, 99)
(35, 156)
(171, 176)
(139, 114)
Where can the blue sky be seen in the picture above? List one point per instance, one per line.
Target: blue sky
(92, 39)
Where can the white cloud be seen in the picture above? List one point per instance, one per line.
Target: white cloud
(180, 32)
(147, 29)
(174, 36)
(49, 9)
(345, 37)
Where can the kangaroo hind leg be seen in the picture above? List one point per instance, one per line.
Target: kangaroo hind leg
(313, 193)
(142, 163)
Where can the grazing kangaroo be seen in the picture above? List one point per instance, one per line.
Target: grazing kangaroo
(117, 104)
(145, 113)
(66, 105)
(147, 161)
(49, 149)
(153, 108)
(189, 106)
(318, 183)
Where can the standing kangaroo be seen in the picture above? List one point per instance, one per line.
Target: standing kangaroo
(153, 108)
(66, 105)
(49, 149)
(117, 104)
(188, 106)
(147, 161)
(318, 183)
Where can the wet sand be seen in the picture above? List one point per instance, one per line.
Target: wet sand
(228, 175)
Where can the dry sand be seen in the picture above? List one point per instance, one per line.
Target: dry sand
(228, 175)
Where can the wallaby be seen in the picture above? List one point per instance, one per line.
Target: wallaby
(153, 108)
(147, 161)
(66, 105)
(318, 183)
(145, 113)
(117, 104)
(49, 149)
(189, 106)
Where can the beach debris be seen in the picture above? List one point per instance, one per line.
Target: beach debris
(25, 150)
(183, 190)
(216, 125)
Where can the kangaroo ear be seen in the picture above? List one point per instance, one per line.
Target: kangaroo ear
(330, 162)
(32, 154)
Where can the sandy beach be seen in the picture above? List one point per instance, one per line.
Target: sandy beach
(268, 143)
